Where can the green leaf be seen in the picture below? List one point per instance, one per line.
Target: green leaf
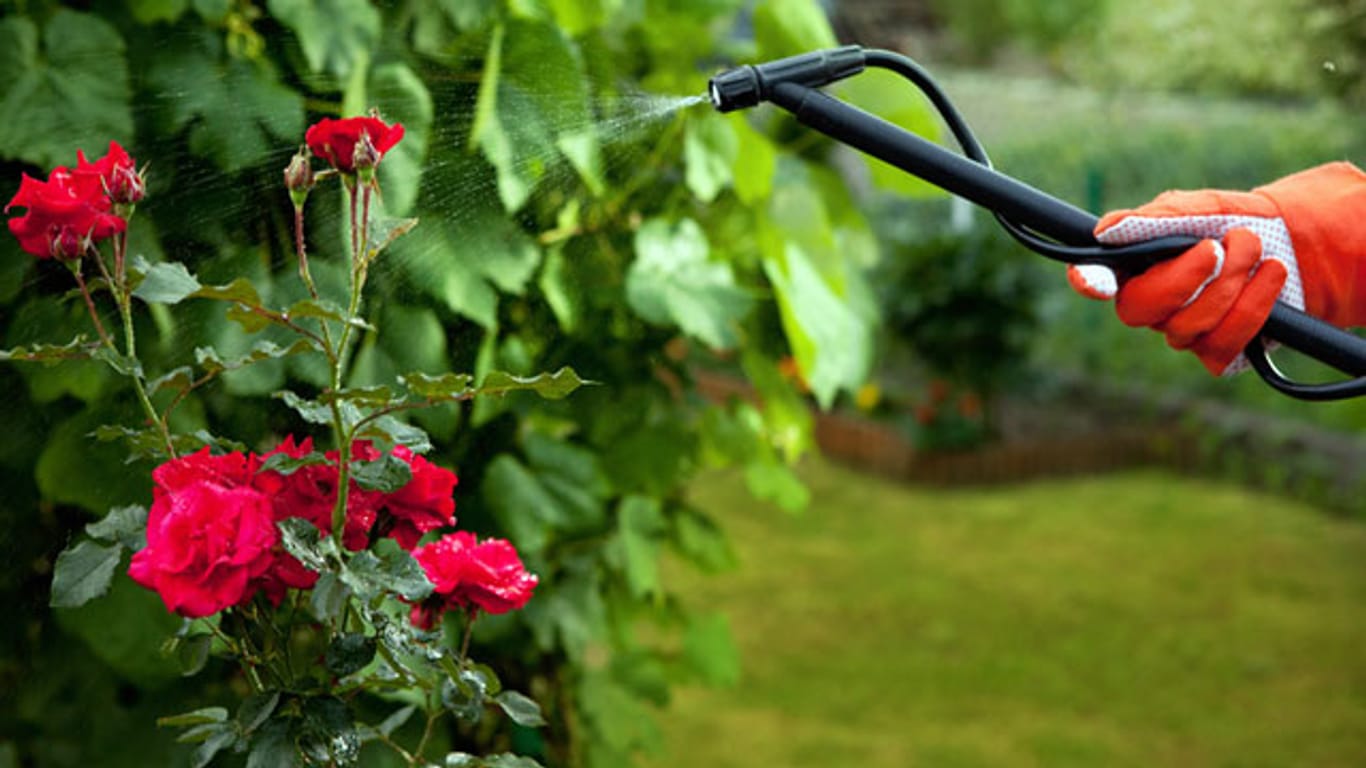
(551, 386)
(335, 35)
(239, 290)
(192, 653)
(166, 283)
(256, 709)
(327, 732)
(390, 430)
(288, 465)
(392, 570)
(272, 747)
(640, 521)
(197, 717)
(509, 760)
(532, 94)
(70, 92)
(710, 149)
(310, 411)
(396, 720)
(207, 358)
(465, 695)
(175, 380)
(756, 162)
(329, 597)
(238, 110)
(703, 542)
(774, 481)
(152, 11)
(349, 653)
(51, 354)
(521, 708)
(376, 396)
(387, 474)
(445, 386)
(83, 573)
(305, 542)
(789, 27)
(125, 526)
(674, 281)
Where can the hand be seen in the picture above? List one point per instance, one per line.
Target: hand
(1301, 239)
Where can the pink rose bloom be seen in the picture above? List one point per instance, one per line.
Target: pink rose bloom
(210, 534)
(466, 574)
(424, 504)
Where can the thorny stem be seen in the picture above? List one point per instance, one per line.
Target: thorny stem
(302, 252)
(90, 305)
(471, 615)
(123, 297)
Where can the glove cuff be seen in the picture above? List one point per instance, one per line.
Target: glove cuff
(1323, 209)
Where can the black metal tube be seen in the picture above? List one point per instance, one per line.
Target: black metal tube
(1030, 207)
(966, 178)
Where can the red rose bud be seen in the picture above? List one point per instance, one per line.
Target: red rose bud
(128, 187)
(299, 178)
(67, 245)
(364, 158)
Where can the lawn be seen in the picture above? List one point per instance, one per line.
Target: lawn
(1137, 619)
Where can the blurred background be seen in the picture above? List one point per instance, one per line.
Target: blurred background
(861, 481)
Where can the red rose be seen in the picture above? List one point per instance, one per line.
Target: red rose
(335, 140)
(467, 574)
(210, 534)
(66, 215)
(311, 493)
(424, 504)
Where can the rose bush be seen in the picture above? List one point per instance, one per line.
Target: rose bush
(236, 542)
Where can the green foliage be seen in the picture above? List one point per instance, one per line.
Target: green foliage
(564, 231)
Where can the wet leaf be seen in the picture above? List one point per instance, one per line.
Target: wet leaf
(83, 573)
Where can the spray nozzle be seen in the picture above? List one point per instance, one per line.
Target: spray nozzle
(748, 85)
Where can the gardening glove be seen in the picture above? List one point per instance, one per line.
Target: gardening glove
(1301, 239)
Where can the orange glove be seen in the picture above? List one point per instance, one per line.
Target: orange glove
(1301, 239)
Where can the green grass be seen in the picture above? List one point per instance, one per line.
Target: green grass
(1131, 620)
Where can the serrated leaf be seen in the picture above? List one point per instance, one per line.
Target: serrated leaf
(673, 280)
(329, 597)
(125, 526)
(165, 283)
(119, 362)
(51, 354)
(552, 386)
(461, 760)
(83, 573)
(256, 709)
(175, 380)
(327, 733)
(446, 386)
(66, 91)
(208, 359)
(396, 720)
(288, 465)
(272, 747)
(336, 35)
(521, 708)
(221, 738)
(310, 411)
(197, 717)
(387, 474)
(349, 653)
(239, 290)
(238, 111)
(192, 653)
(393, 571)
(374, 396)
(390, 430)
(710, 148)
(304, 541)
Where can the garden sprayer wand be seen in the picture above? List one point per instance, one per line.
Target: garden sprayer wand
(1040, 222)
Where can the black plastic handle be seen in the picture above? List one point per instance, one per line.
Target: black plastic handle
(1044, 214)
